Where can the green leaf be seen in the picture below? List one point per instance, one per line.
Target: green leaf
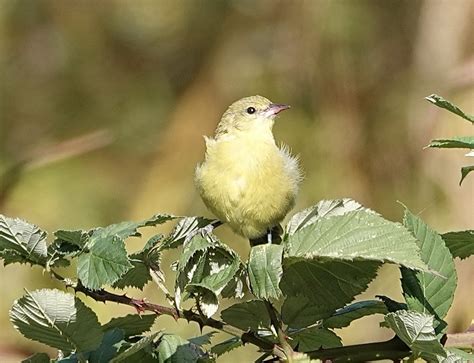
(138, 276)
(132, 324)
(356, 235)
(173, 348)
(226, 346)
(460, 142)
(203, 339)
(77, 238)
(143, 261)
(316, 289)
(250, 315)
(104, 263)
(325, 208)
(426, 292)
(130, 229)
(416, 330)
(464, 171)
(144, 345)
(22, 242)
(237, 286)
(392, 305)
(314, 338)
(345, 316)
(455, 355)
(37, 358)
(205, 269)
(108, 348)
(441, 102)
(185, 229)
(265, 270)
(195, 244)
(57, 319)
(460, 244)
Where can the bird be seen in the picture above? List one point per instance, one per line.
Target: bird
(246, 179)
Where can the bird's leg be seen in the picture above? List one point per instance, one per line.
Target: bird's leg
(269, 236)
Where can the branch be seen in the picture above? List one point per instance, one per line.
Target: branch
(141, 305)
(393, 349)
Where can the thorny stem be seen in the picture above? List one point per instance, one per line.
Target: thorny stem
(392, 349)
(141, 305)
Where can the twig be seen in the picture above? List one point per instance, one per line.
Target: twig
(276, 322)
(141, 305)
(392, 349)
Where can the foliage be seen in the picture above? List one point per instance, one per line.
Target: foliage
(462, 142)
(299, 291)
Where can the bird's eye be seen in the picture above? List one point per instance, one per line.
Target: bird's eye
(250, 110)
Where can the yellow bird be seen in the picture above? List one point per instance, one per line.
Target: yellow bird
(246, 180)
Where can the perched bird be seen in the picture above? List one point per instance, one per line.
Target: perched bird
(246, 180)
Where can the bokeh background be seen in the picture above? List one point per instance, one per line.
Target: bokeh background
(104, 103)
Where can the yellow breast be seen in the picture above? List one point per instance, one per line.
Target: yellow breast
(250, 184)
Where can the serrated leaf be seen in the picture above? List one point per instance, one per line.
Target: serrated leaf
(57, 319)
(138, 276)
(77, 238)
(316, 289)
(236, 287)
(143, 261)
(104, 263)
(226, 346)
(195, 244)
(204, 270)
(108, 348)
(345, 316)
(145, 345)
(416, 330)
(455, 142)
(203, 339)
(265, 270)
(356, 235)
(455, 355)
(130, 229)
(392, 305)
(314, 338)
(173, 348)
(426, 292)
(207, 299)
(132, 324)
(37, 358)
(325, 208)
(22, 242)
(185, 229)
(250, 315)
(441, 102)
(460, 243)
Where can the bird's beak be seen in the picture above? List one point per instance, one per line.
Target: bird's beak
(275, 109)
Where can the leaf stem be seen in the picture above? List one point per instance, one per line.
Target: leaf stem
(276, 322)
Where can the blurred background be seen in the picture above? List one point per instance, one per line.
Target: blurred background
(103, 106)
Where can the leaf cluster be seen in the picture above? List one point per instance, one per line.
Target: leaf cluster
(301, 289)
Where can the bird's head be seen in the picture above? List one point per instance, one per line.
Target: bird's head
(249, 113)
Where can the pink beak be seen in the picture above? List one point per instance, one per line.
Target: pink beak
(275, 109)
